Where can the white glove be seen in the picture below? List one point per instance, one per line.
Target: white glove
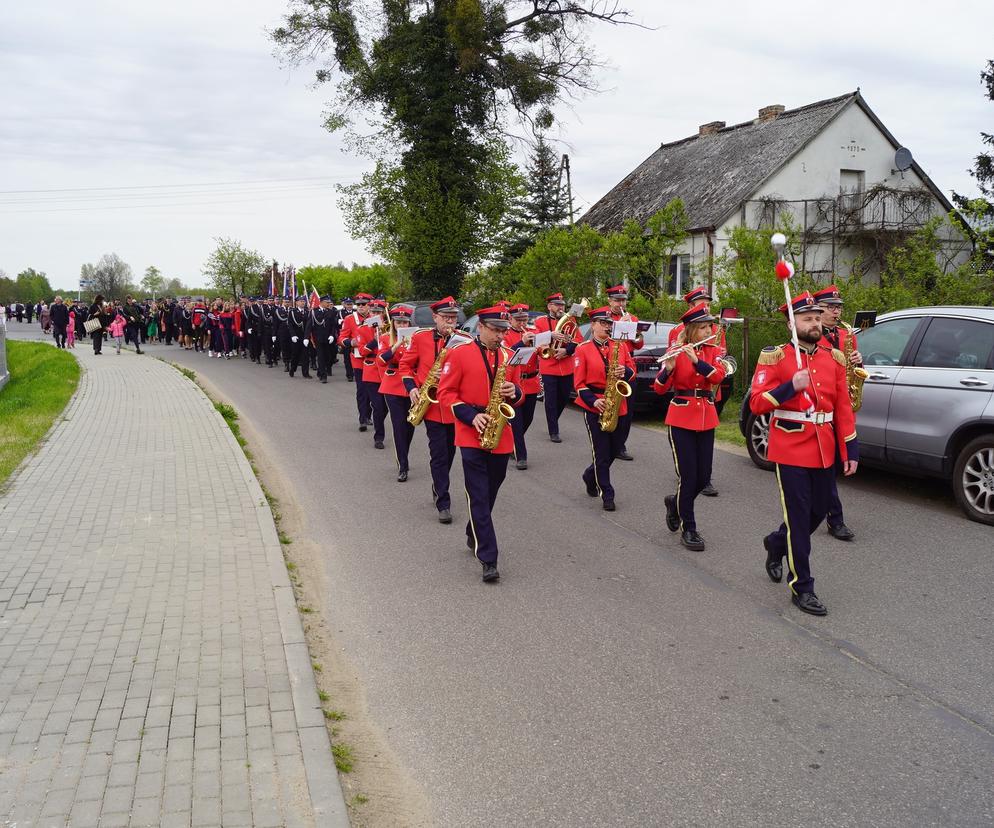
(274, 339)
(307, 342)
(293, 339)
(250, 330)
(331, 339)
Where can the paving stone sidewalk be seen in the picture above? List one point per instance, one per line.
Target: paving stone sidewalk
(153, 669)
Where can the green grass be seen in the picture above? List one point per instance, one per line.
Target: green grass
(360, 799)
(334, 715)
(343, 757)
(42, 379)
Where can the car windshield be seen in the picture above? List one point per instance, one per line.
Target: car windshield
(657, 336)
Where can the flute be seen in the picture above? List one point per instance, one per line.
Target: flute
(675, 352)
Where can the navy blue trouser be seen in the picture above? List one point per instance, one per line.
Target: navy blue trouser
(483, 472)
(441, 453)
(557, 396)
(804, 494)
(523, 416)
(625, 425)
(835, 517)
(604, 448)
(362, 398)
(349, 370)
(693, 453)
(378, 407)
(300, 357)
(403, 431)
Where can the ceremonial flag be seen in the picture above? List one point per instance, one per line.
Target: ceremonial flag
(315, 299)
(285, 287)
(272, 280)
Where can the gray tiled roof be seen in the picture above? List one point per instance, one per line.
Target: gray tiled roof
(713, 174)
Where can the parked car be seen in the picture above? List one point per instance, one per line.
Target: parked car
(471, 324)
(422, 317)
(928, 403)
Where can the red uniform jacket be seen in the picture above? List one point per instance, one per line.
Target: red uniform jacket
(694, 410)
(810, 444)
(464, 391)
(527, 374)
(415, 365)
(556, 367)
(590, 372)
(354, 330)
(239, 318)
(388, 362)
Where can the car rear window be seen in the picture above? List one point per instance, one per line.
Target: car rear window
(956, 343)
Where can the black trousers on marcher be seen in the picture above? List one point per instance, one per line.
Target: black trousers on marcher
(523, 416)
(441, 453)
(835, 516)
(604, 447)
(362, 399)
(804, 495)
(693, 454)
(59, 332)
(558, 392)
(625, 426)
(378, 407)
(403, 431)
(299, 355)
(324, 357)
(349, 370)
(483, 472)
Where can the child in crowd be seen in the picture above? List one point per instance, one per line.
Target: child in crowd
(71, 330)
(117, 329)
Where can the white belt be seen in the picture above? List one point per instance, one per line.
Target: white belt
(817, 417)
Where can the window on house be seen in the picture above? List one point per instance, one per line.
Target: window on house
(679, 279)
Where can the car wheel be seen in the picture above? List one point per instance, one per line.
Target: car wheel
(758, 439)
(973, 479)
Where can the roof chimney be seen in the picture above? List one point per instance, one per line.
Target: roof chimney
(770, 113)
(711, 128)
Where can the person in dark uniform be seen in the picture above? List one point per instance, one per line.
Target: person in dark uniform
(354, 334)
(557, 371)
(812, 420)
(468, 378)
(283, 349)
(298, 344)
(253, 329)
(519, 336)
(591, 363)
(837, 335)
(691, 373)
(422, 352)
(617, 300)
(322, 329)
(270, 332)
(30, 311)
(395, 396)
(59, 315)
(133, 314)
(347, 311)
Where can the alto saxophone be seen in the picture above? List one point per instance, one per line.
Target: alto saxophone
(614, 390)
(855, 376)
(429, 390)
(498, 411)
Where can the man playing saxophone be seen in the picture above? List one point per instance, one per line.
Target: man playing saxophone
(474, 393)
(617, 300)
(422, 353)
(590, 372)
(838, 335)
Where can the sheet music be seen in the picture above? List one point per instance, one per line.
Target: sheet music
(521, 356)
(624, 330)
(404, 334)
(543, 338)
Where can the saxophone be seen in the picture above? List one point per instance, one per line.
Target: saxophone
(498, 411)
(855, 376)
(429, 390)
(614, 390)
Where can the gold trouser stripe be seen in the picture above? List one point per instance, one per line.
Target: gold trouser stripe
(786, 522)
(593, 456)
(676, 465)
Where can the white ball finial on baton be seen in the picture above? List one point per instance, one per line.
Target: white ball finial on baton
(784, 271)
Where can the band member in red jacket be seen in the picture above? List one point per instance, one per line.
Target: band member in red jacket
(692, 374)
(590, 364)
(398, 403)
(519, 336)
(421, 354)
(352, 337)
(371, 370)
(617, 300)
(557, 372)
(812, 419)
(468, 378)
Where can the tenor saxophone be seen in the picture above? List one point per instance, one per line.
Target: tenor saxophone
(855, 376)
(614, 390)
(498, 411)
(429, 390)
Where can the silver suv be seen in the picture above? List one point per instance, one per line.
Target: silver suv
(928, 403)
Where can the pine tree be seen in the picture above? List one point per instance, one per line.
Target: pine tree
(546, 204)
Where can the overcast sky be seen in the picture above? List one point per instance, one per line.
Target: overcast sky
(111, 94)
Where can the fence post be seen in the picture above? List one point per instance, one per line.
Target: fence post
(4, 374)
(745, 344)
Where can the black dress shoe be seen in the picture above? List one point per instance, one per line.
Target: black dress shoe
(841, 532)
(350, 379)
(672, 515)
(444, 516)
(591, 489)
(490, 573)
(709, 491)
(808, 602)
(324, 380)
(609, 506)
(378, 444)
(521, 464)
(362, 426)
(692, 540)
(623, 455)
(290, 373)
(555, 438)
(774, 562)
(402, 477)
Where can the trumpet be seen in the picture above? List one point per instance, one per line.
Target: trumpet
(567, 326)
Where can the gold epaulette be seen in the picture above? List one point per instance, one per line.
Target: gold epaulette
(839, 357)
(771, 355)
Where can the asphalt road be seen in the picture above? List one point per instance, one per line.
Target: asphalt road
(614, 678)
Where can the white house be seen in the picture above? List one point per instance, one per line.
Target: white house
(832, 165)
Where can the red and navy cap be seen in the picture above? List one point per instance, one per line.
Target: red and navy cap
(698, 294)
(617, 292)
(697, 313)
(446, 305)
(378, 303)
(497, 316)
(520, 309)
(802, 303)
(828, 296)
(602, 314)
(555, 297)
(401, 312)
(362, 298)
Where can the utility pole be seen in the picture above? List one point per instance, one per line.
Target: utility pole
(564, 168)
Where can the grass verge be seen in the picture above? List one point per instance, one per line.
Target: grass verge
(42, 379)
(727, 432)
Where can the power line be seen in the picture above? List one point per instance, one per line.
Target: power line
(159, 205)
(163, 186)
(33, 202)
